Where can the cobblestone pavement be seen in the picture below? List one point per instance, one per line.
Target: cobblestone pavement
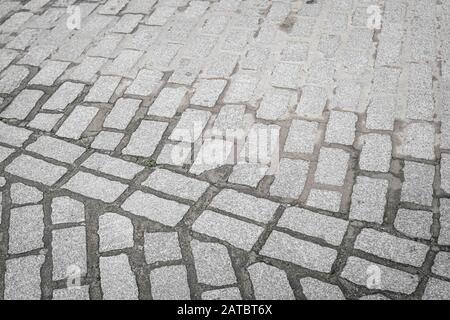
(332, 182)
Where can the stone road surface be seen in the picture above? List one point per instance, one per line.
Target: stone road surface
(332, 181)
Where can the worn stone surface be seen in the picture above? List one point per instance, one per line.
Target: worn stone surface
(226, 149)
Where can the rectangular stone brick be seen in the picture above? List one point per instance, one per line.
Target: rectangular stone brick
(127, 23)
(332, 166)
(107, 140)
(190, 126)
(35, 170)
(330, 229)
(381, 113)
(86, 71)
(376, 152)
(303, 136)
(341, 128)
(167, 102)
(418, 184)
(164, 211)
(122, 113)
(56, 149)
(305, 254)
(221, 65)
(145, 83)
(369, 199)
(241, 89)
(26, 229)
(11, 78)
(238, 233)
(77, 122)
(103, 89)
(45, 121)
(290, 178)
(392, 248)
(445, 172)
(244, 205)
(176, 184)
(22, 104)
(356, 271)
(123, 64)
(23, 278)
(413, 223)
(444, 209)
(64, 96)
(95, 187)
(207, 92)
(68, 250)
(161, 246)
(145, 139)
(312, 102)
(51, 71)
(286, 75)
(169, 283)
(417, 141)
(117, 279)
(112, 166)
(13, 136)
(275, 104)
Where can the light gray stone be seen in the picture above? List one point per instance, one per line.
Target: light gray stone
(176, 184)
(212, 263)
(330, 229)
(390, 247)
(51, 71)
(444, 235)
(21, 194)
(415, 224)
(26, 229)
(376, 153)
(244, 205)
(417, 141)
(437, 290)
(362, 272)
(306, 254)
(161, 246)
(36, 170)
(95, 187)
(312, 102)
(285, 75)
(164, 211)
(441, 264)
(369, 199)
(238, 233)
(23, 279)
(68, 249)
(341, 128)
(325, 200)
(445, 172)
(122, 113)
(64, 96)
(145, 139)
(207, 92)
(13, 136)
(112, 166)
(382, 113)
(418, 184)
(190, 126)
(79, 293)
(290, 178)
(332, 166)
(67, 210)
(169, 283)
(56, 149)
(303, 136)
(107, 140)
(22, 104)
(103, 89)
(167, 102)
(45, 121)
(145, 83)
(117, 279)
(222, 294)
(115, 232)
(77, 122)
(315, 289)
(270, 283)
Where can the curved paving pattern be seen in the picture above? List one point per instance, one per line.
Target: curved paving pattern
(225, 149)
